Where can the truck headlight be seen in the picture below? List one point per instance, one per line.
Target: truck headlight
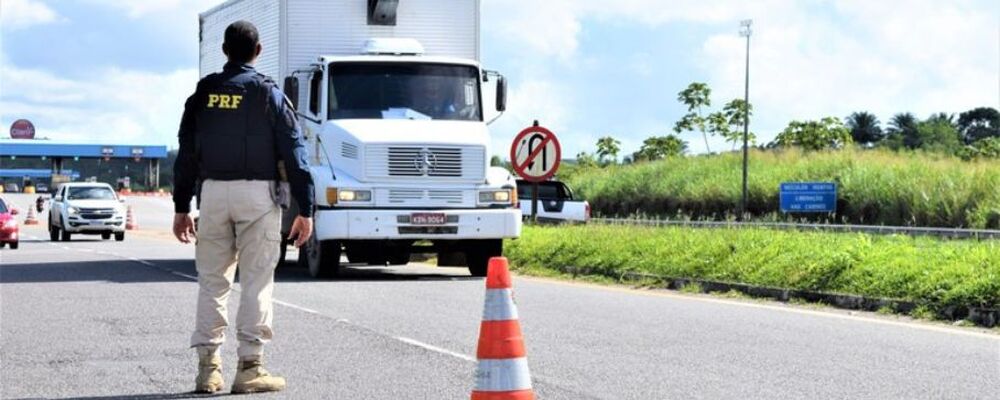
(503, 196)
(354, 195)
(73, 211)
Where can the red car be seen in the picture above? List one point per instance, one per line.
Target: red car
(8, 225)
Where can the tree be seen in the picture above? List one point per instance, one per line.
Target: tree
(608, 147)
(585, 159)
(938, 135)
(864, 128)
(728, 123)
(495, 161)
(696, 97)
(979, 123)
(903, 131)
(815, 135)
(660, 147)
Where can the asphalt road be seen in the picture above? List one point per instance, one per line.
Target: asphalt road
(105, 320)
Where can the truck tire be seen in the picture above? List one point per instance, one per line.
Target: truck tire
(321, 258)
(119, 236)
(13, 245)
(479, 252)
(65, 236)
(106, 235)
(356, 253)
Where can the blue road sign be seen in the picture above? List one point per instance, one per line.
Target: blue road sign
(808, 197)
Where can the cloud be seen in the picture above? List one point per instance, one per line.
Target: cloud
(119, 106)
(138, 9)
(21, 14)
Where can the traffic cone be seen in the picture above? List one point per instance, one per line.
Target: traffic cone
(131, 223)
(502, 373)
(31, 219)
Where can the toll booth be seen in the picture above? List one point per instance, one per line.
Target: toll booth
(57, 154)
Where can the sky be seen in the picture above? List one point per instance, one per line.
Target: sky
(119, 70)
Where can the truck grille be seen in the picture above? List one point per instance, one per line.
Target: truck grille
(437, 163)
(420, 197)
(97, 213)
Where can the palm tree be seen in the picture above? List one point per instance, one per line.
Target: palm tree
(903, 129)
(864, 128)
(608, 147)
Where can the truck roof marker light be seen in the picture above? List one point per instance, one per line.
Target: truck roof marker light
(392, 47)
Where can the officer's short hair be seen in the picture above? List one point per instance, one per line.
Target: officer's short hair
(241, 41)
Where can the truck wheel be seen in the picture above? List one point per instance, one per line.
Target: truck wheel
(321, 258)
(119, 236)
(478, 255)
(106, 235)
(13, 245)
(65, 236)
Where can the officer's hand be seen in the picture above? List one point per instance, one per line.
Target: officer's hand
(184, 227)
(302, 229)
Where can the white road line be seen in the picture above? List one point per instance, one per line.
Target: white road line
(433, 348)
(409, 341)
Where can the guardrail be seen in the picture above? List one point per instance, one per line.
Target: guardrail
(875, 229)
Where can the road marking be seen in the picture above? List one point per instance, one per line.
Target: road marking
(409, 341)
(433, 348)
(785, 308)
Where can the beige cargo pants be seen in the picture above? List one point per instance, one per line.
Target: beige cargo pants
(238, 222)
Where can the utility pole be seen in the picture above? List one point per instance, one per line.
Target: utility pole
(745, 31)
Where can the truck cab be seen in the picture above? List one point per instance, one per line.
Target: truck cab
(400, 152)
(390, 96)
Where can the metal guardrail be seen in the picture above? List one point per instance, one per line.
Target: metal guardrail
(875, 229)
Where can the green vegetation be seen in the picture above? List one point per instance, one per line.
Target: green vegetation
(875, 186)
(931, 272)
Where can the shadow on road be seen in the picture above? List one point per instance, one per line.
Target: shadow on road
(165, 396)
(127, 271)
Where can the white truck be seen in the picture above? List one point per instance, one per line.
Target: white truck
(392, 107)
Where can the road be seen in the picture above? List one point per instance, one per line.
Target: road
(105, 320)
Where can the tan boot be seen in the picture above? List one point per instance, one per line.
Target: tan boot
(251, 377)
(209, 378)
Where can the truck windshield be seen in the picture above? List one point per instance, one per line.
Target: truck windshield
(91, 193)
(366, 90)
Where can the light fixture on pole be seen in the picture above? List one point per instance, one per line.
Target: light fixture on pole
(746, 31)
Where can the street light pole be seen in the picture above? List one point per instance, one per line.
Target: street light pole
(745, 31)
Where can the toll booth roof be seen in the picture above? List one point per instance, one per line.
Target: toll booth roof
(46, 148)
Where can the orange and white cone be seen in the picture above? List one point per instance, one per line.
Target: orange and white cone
(130, 222)
(502, 373)
(31, 219)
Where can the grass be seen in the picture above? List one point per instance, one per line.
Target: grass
(933, 273)
(876, 187)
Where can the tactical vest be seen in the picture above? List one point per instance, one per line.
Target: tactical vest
(234, 139)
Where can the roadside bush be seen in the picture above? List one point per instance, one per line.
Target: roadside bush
(931, 272)
(877, 187)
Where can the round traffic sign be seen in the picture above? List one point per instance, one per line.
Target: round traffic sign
(22, 129)
(535, 154)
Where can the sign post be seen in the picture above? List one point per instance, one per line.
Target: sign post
(535, 155)
(808, 197)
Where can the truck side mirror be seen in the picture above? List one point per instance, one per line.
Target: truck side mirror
(501, 94)
(292, 90)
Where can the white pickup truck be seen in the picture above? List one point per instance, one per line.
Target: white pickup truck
(393, 108)
(555, 202)
(86, 208)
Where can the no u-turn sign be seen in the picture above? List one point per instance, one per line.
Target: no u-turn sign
(535, 154)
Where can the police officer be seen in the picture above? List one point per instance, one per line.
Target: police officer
(235, 130)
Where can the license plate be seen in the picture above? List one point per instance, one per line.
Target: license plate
(427, 219)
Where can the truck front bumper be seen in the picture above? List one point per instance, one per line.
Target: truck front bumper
(363, 224)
